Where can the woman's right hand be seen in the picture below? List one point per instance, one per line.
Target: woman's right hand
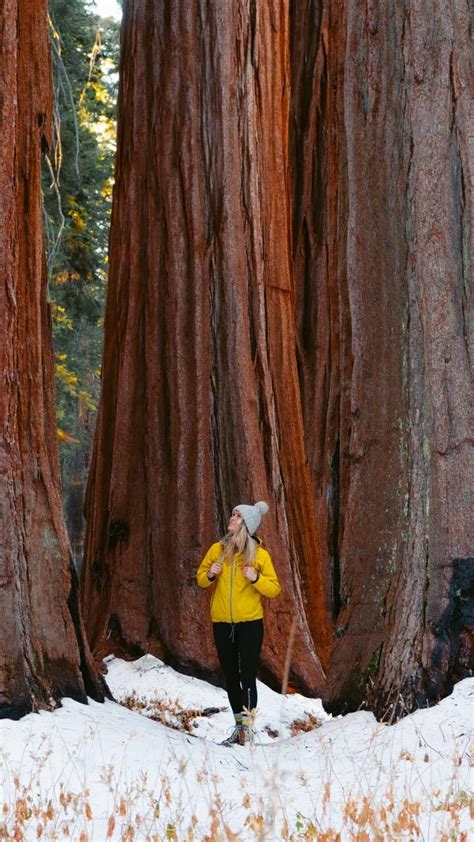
(215, 570)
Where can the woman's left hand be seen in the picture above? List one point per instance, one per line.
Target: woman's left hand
(250, 573)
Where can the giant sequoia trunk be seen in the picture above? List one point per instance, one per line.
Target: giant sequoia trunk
(200, 407)
(382, 208)
(331, 375)
(43, 654)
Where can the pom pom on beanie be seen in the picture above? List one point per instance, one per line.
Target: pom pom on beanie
(252, 515)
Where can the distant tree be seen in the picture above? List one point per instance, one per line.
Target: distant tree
(77, 190)
(43, 651)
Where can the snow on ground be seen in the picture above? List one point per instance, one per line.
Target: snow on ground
(101, 772)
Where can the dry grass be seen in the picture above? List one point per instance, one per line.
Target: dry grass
(142, 813)
(302, 726)
(166, 711)
(172, 714)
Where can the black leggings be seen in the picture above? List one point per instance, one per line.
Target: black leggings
(238, 649)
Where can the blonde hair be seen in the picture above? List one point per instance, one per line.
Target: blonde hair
(240, 542)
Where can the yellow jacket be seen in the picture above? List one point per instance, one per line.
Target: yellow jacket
(235, 599)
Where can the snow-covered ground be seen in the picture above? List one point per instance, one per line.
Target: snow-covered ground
(101, 772)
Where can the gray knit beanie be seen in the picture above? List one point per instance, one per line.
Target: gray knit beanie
(252, 515)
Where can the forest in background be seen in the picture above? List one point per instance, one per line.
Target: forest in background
(77, 191)
(289, 317)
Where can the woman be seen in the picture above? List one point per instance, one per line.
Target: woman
(241, 571)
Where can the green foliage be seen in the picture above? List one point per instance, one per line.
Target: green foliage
(77, 195)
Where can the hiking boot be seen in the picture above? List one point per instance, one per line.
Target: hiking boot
(238, 737)
(244, 735)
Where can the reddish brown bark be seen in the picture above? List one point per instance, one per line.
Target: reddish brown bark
(382, 203)
(201, 404)
(43, 654)
(200, 407)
